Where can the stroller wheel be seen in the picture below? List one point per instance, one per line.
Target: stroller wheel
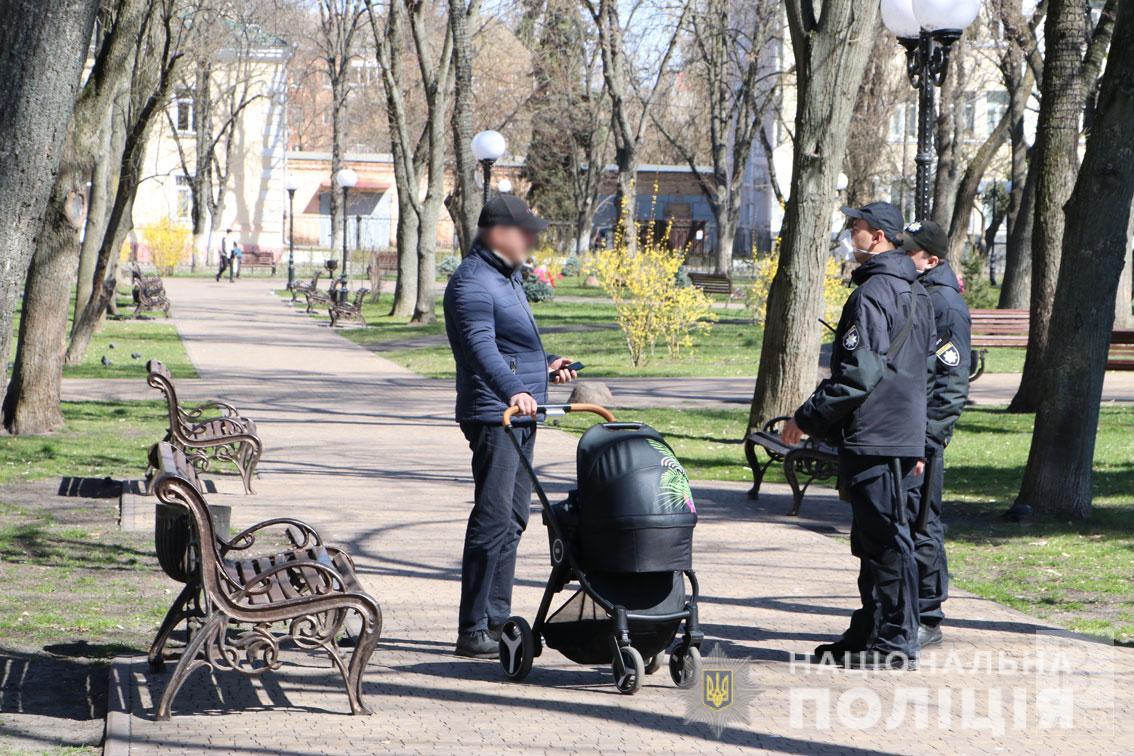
(629, 679)
(654, 663)
(517, 648)
(685, 666)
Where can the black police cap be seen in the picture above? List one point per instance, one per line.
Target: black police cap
(925, 235)
(510, 210)
(883, 216)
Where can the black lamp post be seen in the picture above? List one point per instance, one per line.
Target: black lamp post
(487, 148)
(345, 178)
(292, 185)
(927, 29)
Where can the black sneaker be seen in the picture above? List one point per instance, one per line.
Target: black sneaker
(872, 659)
(929, 636)
(833, 653)
(477, 645)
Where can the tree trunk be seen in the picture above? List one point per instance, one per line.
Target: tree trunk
(1057, 479)
(1063, 97)
(337, 208)
(200, 182)
(95, 225)
(425, 308)
(726, 218)
(831, 56)
(42, 47)
(1123, 318)
(466, 201)
(948, 139)
(405, 287)
(967, 188)
(1015, 290)
(31, 404)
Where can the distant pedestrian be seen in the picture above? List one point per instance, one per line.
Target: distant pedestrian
(235, 258)
(228, 241)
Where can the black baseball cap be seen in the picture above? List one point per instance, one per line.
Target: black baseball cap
(883, 216)
(925, 235)
(510, 210)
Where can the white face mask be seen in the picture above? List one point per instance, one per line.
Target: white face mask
(845, 249)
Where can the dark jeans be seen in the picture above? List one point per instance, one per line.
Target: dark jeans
(222, 266)
(502, 500)
(929, 546)
(881, 538)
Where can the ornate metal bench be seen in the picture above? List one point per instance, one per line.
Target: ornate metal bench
(248, 603)
(302, 287)
(148, 294)
(322, 297)
(348, 310)
(227, 436)
(810, 461)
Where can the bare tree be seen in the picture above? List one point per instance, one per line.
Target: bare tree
(464, 204)
(417, 216)
(1073, 57)
(625, 98)
(42, 48)
(729, 43)
(1057, 479)
(830, 49)
(155, 60)
(31, 404)
(339, 22)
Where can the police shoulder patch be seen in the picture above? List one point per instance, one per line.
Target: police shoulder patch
(851, 339)
(949, 355)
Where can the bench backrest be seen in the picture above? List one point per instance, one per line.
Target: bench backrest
(160, 378)
(713, 283)
(999, 321)
(177, 484)
(359, 296)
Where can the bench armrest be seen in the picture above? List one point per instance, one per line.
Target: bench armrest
(195, 412)
(246, 538)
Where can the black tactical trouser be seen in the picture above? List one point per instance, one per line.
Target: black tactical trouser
(502, 502)
(881, 537)
(929, 545)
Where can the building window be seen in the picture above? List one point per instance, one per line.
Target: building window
(996, 105)
(183, 113)
(903, 122)
(968, 115)
(184, 196)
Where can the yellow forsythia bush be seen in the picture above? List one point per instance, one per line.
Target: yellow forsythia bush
(650, 304)
(763, 271)
(168, 244)
(835, 292)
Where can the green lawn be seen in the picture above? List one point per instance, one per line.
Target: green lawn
(118, 340)
(1077, 575)
(78, 591)
(99, 439)
(587, 331)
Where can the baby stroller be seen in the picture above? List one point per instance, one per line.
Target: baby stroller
(625, 536)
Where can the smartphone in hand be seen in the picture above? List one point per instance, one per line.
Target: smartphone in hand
(576, 366)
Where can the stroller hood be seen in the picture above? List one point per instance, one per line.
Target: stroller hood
(636, 511)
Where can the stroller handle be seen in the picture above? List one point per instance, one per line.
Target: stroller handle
(602, 412)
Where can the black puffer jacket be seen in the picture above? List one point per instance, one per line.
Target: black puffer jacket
(951, 362)
(874, 403)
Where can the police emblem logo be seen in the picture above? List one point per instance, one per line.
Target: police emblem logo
(949, 355)
(718, 688)
(851, 339)
(720, 693)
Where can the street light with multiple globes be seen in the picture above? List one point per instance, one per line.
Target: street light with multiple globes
(928, 30)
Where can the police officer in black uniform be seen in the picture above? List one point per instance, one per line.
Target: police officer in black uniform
(949, 368)
(874, 408)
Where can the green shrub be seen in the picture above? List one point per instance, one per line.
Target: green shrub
(448, 266)
(538, 291)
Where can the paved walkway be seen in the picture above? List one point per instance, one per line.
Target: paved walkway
(365, 450)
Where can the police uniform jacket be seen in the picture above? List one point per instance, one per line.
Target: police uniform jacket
(951, 363)
(874, 403)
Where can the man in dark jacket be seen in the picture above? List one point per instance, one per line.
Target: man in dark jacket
(949, 367)
(873, 408)
(501, 363)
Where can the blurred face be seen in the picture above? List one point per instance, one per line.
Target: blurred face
(514, 244)
(867, 241)
(923, 260)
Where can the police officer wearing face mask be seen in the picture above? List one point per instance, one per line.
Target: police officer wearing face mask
(949, 367)
(873, 407)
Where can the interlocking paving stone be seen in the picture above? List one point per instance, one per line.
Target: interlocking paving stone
(365, 450)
